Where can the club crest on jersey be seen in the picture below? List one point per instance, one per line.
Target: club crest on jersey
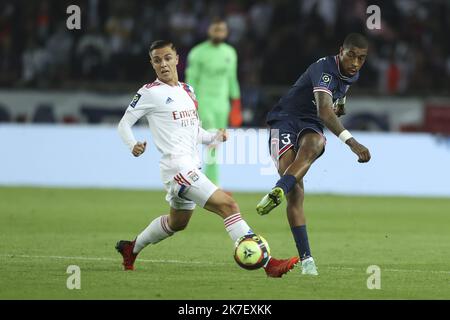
(135, 100)
(325, 80)
(193, 175)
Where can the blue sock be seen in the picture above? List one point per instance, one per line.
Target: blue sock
(301, 241)
(286, 182)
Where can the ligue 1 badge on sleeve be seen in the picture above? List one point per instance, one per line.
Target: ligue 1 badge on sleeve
(135, 100)
(325, 80)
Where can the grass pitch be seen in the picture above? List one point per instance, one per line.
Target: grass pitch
(43, 231)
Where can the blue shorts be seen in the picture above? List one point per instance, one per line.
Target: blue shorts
(285, 134)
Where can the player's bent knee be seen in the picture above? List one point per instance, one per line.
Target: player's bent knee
(320, 145)
(312, 145)
(313, 151)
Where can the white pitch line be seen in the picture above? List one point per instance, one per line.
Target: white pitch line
(419, 271)
(105, 259)
(391, 270)
(196, 262)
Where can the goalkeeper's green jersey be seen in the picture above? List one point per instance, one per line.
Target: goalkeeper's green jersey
(212, 72)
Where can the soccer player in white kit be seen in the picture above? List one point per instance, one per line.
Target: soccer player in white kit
(171, 110)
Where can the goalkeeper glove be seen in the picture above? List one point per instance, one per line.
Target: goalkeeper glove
(235, 117)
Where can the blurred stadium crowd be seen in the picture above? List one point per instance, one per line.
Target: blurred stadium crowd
(275, 41)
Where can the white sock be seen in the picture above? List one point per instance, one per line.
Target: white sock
(236, 226)
(156, 231)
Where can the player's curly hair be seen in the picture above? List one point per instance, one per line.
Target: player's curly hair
(355, 40)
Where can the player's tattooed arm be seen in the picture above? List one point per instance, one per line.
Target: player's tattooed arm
(328, 116)
(339, 110)
(324, 104)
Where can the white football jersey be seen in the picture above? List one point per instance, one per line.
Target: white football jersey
(172, 116)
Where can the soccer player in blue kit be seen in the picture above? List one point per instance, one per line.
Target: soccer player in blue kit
(296, 132)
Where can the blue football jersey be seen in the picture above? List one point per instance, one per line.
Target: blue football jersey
(323, 75)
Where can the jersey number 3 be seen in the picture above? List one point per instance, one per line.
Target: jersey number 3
(286, 138)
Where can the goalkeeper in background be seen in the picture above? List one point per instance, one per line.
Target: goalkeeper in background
(212, 71)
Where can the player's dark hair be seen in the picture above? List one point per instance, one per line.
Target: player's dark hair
(158, 44)
(355, 40)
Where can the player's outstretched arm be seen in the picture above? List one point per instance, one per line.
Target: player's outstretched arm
(212, 138)
(221, 135)
(125, 132)
(328, 116)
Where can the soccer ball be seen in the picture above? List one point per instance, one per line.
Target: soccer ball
(251, 251)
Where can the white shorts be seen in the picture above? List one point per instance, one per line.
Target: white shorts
(188, 188)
